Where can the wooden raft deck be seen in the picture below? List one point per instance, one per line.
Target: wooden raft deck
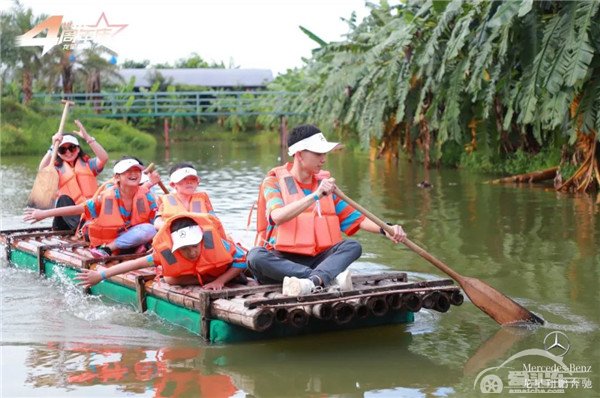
(239, 312)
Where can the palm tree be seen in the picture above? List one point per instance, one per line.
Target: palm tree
(24, 61)
(95, 67)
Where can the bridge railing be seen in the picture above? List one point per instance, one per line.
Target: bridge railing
(175, 103)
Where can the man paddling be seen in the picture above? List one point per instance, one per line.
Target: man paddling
(300, 220)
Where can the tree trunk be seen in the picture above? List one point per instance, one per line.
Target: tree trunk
(67, 73)
(27, 86)
(534, 176)
(425, 133)
(388, 148)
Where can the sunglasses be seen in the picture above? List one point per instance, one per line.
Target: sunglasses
(63, 149)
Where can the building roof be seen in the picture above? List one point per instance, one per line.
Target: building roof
(203, 77)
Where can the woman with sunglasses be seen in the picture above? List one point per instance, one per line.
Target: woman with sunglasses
(77, 172)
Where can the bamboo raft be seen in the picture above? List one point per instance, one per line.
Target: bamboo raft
(239, 312)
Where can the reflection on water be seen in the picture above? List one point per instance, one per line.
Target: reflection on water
(348, 364)
(536, 246)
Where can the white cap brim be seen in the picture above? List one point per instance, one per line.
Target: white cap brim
(315, 143)
(180, 174)
(125, 164)
(69, 139)
(187, 236)
(144, 178)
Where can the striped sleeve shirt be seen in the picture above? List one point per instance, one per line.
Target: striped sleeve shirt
(93, 207)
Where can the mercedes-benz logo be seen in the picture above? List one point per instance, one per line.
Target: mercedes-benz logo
(557, 343)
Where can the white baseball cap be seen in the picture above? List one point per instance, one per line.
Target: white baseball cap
(125, 164)
(69, 139)
(180, 174)
(315, 143)
(187, 236)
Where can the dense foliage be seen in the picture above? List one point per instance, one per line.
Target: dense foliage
(487, 77)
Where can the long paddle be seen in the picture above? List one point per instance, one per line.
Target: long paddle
(46, 182)
(499, 307)
(149, 170)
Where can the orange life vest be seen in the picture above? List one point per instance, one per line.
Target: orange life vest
(171, 206)
(309, 233)
(106, 227)
(214, 258)
(78, 182)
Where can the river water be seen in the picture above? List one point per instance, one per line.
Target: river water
(534, 245)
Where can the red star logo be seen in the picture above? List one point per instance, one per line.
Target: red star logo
(103, 31)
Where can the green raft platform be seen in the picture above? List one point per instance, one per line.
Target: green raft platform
(238, 312)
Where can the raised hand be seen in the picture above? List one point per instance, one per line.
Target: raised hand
(81, 132)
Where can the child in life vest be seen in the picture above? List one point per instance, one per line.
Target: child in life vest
(191, 249)
(121, 216)
(183, 177)
(77, 172)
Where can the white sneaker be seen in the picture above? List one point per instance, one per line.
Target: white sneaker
(343, 281)
(294, 287)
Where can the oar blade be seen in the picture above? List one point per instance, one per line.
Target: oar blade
(44, 189)
(499, 307)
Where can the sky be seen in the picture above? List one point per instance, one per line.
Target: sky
(253, 34)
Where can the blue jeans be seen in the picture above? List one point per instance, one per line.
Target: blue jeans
(273, 266)
(135, 236)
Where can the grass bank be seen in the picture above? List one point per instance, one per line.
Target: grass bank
(25, 131)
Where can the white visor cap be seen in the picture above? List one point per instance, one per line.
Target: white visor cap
(69, 139)
(180, 174)
(315, 143)
(125, 164)
(187, 236)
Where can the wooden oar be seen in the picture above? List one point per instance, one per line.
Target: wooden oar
(44, 189)
(499, 307)
(149, 170)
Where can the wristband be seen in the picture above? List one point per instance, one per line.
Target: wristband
(315, 197)
(92, 139)
(103, 275)
(382, 231)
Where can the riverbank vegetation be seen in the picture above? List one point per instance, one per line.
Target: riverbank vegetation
(475, 84)
(25, 130)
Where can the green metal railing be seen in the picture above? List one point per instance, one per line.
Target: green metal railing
(181, 103)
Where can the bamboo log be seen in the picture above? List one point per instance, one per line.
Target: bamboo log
(323, 311)
(412, 302)
(443, 303)
(377, 305)
(361, 310)
(394, 301)
(233, 311)
(430, 299)
(456, 298)
(281, 313)
(343, 312)
(297, 317)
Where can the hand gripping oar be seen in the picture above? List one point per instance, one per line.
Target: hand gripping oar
(149, 170)
(43, 192)
(499, 307)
